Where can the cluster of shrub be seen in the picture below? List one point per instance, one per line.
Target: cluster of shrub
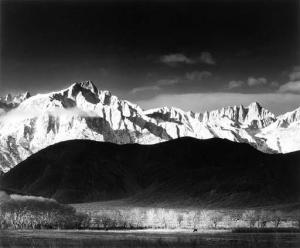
(21, 212)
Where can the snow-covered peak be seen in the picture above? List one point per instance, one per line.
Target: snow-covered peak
(88, 85)
(8, 98)
(284, 134)
(9, 101)
(254, 116)
(15, 99)
(85, 87)
(255, 105)
(288, 118)
(81, 111)
(83, 95)
(258, 117)
(166, 114)
(21, 97)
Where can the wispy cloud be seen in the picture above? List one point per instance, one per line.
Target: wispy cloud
(290, 87)
(274, 84)
(235, 84)
(207, 58)
(156, 86)
(163, 82)
(176, 58)
(145, 88)
(198, 75)
(160, 84)
(18, 114)
(295, 74)
(293, 85)
(180, 58)
(252, 81)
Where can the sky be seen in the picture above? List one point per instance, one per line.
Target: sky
(195, 55)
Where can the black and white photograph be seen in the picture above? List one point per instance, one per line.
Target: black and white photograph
(150, 123)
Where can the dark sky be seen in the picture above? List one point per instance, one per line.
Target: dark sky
(144, 50)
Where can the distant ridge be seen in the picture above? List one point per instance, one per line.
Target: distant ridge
(209, 172)
(81, 111)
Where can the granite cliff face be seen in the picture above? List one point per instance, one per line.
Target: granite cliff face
(84, 112)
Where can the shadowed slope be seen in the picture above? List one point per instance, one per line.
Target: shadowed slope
(211, 171)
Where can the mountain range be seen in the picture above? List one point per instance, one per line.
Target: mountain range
(31, 123)
(185, 171)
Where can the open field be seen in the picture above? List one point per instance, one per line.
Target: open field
(62, 239)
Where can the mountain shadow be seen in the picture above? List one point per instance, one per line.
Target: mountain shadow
(212, 172)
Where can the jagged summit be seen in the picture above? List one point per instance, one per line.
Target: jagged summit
(290, 117)
(15, 99)
(253, 116)
(255, 105)
(27, 94)
(9, 101)
(8, 98)
(81, 111)
(87, 86)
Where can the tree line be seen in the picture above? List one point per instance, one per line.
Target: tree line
(26, 212)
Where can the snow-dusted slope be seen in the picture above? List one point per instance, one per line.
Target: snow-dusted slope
(79, 112)
(284, 134)
(9, 102)
(15, 100)
(84, 112)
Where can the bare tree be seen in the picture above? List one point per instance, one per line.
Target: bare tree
(179, 219)
(215, 218)
(196, 218)
(264, 217)
(251, 217)
(277, 218)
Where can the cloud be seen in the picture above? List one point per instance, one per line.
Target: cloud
(252, 82)
(290, 87)
(145, 88)
(198, 75)
(274, 84)
(19, 114)
(295, 74)
(235, 84)
(207, 58)
(200, 102)
(256, 81)
(176, 58)
(180, 58)
(167, 82)
(156, 86)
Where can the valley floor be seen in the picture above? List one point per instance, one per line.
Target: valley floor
(145, 238)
